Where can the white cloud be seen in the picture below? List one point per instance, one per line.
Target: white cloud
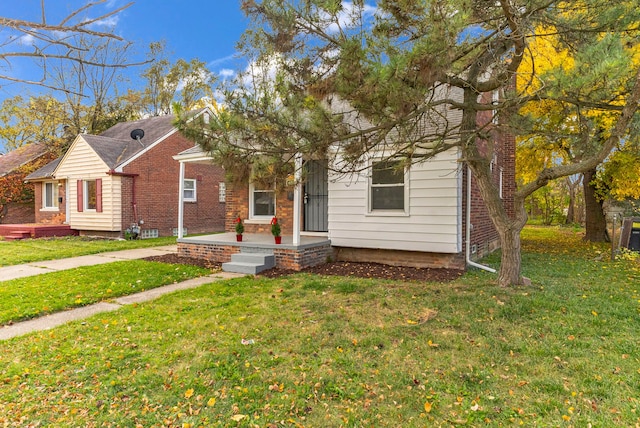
(109, 22)
(219, 61)
(226, 73)
(349, 16)
(26, 40)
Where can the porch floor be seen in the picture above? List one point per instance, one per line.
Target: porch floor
(255, 240)
(35, 230)
(311, 250)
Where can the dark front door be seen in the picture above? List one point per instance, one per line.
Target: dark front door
(316, 196)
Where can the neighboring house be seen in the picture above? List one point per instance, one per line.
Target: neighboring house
(125, 178)
(429, 216)
(16, 197)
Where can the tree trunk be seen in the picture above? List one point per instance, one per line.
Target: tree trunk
(595, 220)
(508, 228)
(511, 259)
(571, 210)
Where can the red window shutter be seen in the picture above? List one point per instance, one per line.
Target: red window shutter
(99, 195)
(80, 196)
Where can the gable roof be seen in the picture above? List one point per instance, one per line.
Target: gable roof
(113, 151)
(154, 128)
(115, 147)
(44, 172)
(21, 156)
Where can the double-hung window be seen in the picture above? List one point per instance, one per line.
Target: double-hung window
(90, 194)
(387, 187)
(189, 190)
(50, 195)
(262, 200)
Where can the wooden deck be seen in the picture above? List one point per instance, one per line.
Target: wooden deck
(34, 230)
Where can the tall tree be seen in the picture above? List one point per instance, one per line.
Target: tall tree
(184, 82)
(567, 132)
(44, 41)
(400, 65)
(89, 88)
(35, 119)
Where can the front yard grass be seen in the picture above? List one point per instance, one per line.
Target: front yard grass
(30, 250)
(30, 297)
(343, 352)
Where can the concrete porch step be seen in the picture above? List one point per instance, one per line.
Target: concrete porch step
(249, 263)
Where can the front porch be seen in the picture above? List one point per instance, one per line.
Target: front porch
(309, 251)
(35, 230)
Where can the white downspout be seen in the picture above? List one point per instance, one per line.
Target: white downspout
(181, 202)
(297, 199)
(468, 230)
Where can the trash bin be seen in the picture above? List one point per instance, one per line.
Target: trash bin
(630, 235)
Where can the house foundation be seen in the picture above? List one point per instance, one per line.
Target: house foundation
(219, 248)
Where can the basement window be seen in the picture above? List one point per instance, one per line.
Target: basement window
(148, 233)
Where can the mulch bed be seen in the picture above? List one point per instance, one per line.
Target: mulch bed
(361, 270)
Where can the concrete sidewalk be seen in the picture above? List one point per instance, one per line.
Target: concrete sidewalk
(54, 320)
(37, 268)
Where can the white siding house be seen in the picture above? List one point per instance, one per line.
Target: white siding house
(430, 221)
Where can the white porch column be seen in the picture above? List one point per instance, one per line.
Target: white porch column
(297, 199)
(181, 202)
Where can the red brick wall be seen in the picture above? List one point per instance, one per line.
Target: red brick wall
(483, 233)
(286, 258)
(402, 258)
(50, 217)
(17, 212)
(126, 188)
(156, 191)
(238, 206)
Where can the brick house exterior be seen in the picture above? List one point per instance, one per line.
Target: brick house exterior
(156, 191)
(135, 182)
(17, 200)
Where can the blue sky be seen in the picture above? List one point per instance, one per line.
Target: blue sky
(203, 29)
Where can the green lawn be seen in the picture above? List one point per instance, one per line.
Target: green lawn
(335, 351)
(36, 296)
(30, 250)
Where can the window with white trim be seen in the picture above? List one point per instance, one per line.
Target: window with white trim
(387, 191)
(90, 195)
(189, 190)
(262, 201)
(50, 195)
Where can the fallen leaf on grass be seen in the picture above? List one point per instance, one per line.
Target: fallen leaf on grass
(427, 407)
(238, 418)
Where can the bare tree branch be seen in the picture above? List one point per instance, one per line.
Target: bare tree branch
(55, 41)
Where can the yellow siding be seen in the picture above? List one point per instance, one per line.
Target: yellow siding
(82, 163)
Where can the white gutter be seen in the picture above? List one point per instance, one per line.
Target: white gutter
(468, 230)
